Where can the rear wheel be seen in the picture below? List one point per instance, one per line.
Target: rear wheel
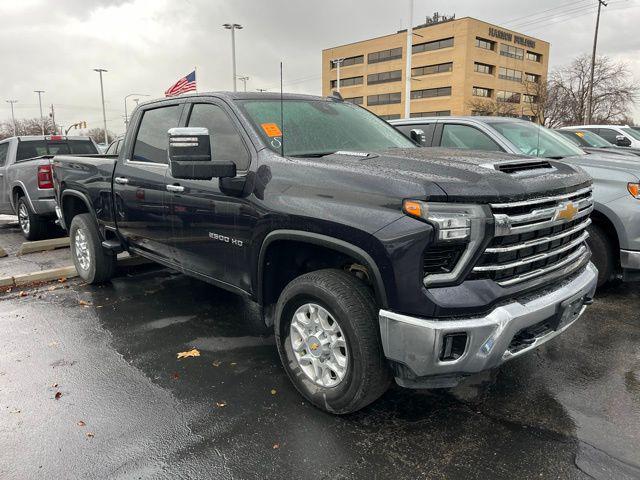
(93, 263)
(328, 338)
(33, 227)
(602, 254)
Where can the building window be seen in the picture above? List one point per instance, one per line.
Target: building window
(534, 57)
(383, 99)
(532, 77)
(384, 77)
(355, 100)
(486, 44)
(507, 97)
(529, 98)
(347, 82)
(482, 92)
(511, 51)
(385, 55)
(393, 116)
(431, 92)
(483, 68)
(348, 61)
(436, 113)
(431, 69)
(435, 45)
(510, 74)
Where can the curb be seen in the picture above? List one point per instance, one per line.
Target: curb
(61, 272)
(43, 245)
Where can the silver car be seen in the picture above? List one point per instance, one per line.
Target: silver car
(614, 235)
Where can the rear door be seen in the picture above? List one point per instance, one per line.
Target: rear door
(5, 205)
(464, 136)
(139, 183)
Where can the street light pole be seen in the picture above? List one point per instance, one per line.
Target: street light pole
(244, 81)
(40, 92)
(593, 65)
(13, 117)
(338, 63)
(233, 27)
(126, 115)
(104, 113)
(407, 73)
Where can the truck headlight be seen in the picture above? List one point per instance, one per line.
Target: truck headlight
(451, 221)
(634, 190)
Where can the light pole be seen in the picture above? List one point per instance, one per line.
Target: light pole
(337, 62)
(244, 81)
(104, 113)
(407, 73)
(593, 65)
(13, 117)
(126, 115)
(233, 27)
(40, 92)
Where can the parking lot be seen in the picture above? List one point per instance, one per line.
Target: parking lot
(90, 387)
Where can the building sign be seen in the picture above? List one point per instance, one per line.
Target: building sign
(510, 37)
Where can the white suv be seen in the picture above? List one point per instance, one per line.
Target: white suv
(622, 136)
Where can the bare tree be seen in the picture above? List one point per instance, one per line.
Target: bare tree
(481, 106)
(28, 126)
(614, 91)
(97, 134)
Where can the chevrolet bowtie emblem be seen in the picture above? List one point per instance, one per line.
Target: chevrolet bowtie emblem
(314, 346)
(566, 212)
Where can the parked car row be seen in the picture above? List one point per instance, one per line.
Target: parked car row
(614, 234)
(373, 259)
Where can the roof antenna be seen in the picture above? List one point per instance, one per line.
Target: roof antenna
(281, 113)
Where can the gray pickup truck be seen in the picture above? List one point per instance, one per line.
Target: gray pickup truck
(614, 235)
(26, 184)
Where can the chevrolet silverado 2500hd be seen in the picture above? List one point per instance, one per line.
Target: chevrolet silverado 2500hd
(371, 257)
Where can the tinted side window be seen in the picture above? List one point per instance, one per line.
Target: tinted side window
(226, 142)
(4, 150)
(469, 138)
(608, 134)
(152, 141)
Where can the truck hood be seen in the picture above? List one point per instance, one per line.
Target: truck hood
(626, 151)
(601, 162)
(465, 176)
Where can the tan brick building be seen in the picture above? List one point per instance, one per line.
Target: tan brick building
(457, 66)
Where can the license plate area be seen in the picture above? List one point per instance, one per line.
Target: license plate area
(569, 310)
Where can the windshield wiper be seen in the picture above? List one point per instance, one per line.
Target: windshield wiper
(312, 154)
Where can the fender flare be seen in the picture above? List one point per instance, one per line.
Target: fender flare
(21, 185)
(324, 241)
(77, 194)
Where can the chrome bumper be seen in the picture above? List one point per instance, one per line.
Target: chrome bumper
(416, 344)
(630, 259)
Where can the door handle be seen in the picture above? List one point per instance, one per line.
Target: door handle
(175, 188)
(121, 180)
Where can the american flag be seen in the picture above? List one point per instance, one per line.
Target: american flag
(185, 84)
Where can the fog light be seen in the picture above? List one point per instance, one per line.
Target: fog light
(453, 346)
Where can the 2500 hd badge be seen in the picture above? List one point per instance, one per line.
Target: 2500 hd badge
(224, 238)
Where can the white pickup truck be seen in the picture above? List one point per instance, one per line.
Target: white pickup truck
(26, 184)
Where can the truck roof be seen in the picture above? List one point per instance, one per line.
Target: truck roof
(242, 96)
(56, 138)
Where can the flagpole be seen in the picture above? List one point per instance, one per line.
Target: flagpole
(195, 71)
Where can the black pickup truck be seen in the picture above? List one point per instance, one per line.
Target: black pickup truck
(372, 258)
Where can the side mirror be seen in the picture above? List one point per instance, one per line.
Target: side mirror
(418, 136)
(622, 141)
(190, 156)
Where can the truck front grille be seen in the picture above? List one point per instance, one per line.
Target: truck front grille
(535, 237)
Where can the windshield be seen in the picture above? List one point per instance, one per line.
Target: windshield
(320, 127)
(592, 139)
(631, 132)
(532, 139)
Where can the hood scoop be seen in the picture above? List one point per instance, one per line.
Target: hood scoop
(513, 168)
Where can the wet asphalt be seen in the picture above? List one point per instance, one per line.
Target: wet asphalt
(128, 408)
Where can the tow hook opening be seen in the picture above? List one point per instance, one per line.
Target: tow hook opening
(453, 346)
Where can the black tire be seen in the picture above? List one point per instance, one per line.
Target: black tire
(352, 305)
(32, 226)
(602, 254)
(85, 242)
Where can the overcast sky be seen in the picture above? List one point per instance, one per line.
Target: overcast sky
(148, 44)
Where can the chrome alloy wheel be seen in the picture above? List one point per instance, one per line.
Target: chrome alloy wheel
(319, 345)
(82, 249)
(23, 218)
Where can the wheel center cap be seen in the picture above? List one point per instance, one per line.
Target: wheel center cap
(314, 346)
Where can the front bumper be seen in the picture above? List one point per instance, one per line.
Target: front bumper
(630, 263)
(415, 345)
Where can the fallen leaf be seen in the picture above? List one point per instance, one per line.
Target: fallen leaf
(221, 404)
(58, 395)
(90, 434)
(175, 376)
(81, 423)
(191, 353)
(216, 363)
(62, 280)
(84, 303)
(273, 391)
(233, 363)
(52, 288)
(276, 445)
(23, 293)
(54, 385)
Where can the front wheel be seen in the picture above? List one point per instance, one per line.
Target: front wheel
(93, 263)
(328, 339)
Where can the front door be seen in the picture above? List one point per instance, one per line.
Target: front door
(212, 229)
(140, 180)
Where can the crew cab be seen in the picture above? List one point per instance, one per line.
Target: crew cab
(614, 234)
(371, 258)
(26, 184)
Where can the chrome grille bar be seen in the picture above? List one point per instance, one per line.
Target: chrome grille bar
(542, 240)
(533, 201)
